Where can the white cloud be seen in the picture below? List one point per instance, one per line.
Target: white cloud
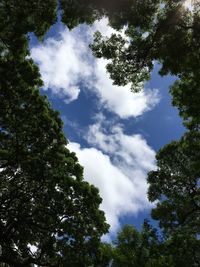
(120, 99)
(62, 64)
(117, 163)
(118, 167)
(67, 66)
(131, 149)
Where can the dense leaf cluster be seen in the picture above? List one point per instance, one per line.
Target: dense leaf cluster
(49, 216)
(44, 200)
(171, 37)
(118, 12)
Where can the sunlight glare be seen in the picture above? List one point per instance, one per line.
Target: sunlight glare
(191, 4)
(188, 4)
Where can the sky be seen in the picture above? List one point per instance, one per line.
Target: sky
(114, 132)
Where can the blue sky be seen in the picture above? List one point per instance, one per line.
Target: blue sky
(114, 132)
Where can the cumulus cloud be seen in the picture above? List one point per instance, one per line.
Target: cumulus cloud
(117, 164)
(67, 66)
(120, 99)
(110, 138)
(63, 64)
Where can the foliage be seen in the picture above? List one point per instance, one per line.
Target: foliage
(186, 96)
(20, 17)
(176, 185)
(171, 37)
(105, 255)
(45, 203)
(119, 12)
(134, 248)
(183, 249)
(44, 200)
(145, 248)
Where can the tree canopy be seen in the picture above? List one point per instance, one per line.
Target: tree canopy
(44, 200)
(186, 96)
(175, 184)
(170, 37)
(49, 216)
(119, 12)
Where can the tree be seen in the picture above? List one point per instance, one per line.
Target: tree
(21, 17)
(183, 249)
(119, 12)
(44, 200)
(169, 36)
(144, 248)
(49, 216)
(186, 96)
(105, 255)
(175, 184)
(45, 203)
